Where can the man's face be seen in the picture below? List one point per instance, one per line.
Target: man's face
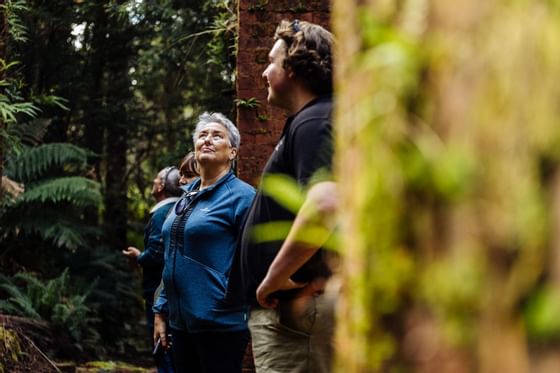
(157, 186)
(276, 76)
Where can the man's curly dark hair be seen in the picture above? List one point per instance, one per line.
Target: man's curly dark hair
(309, 54)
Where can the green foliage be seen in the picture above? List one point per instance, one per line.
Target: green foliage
(284, 190)
(10, 349)
(288, 194)
(449, 216)
(53, 301)
(541, 315)
(9, 109)
(76, 190)
(249, 103)
(138, 67)
(112, 367)
(51, 206)
(452, 287)
(35, 162)
(12, 10)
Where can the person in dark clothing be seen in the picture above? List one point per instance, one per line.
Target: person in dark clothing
(166, 192)
(200, 237)
(284, 280)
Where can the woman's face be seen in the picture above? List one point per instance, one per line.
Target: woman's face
(212, 146)
(185, 179)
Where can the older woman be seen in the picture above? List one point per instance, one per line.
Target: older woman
(200, 237)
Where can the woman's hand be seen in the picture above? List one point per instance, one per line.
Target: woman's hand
(160, 330)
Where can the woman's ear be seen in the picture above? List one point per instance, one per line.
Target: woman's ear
(233, 154)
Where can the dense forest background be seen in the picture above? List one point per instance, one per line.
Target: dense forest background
(97, 96)
(447, 156)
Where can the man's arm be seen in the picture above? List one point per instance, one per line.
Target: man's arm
(318, 211)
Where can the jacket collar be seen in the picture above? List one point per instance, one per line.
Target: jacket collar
(162, 203)
(195, 185)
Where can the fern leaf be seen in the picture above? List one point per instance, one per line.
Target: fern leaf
(32, 164)
(76, 190)
(61, 226)
(19, 301)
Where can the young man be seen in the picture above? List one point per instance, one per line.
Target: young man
(166, 191)
(291, 319)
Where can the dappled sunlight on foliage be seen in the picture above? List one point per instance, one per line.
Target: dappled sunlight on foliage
(448, 157)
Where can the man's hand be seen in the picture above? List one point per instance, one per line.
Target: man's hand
(319, 208)
(160, 330)
(268, 287)
(132, 254)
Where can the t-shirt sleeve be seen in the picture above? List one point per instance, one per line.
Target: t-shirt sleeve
(311, 149)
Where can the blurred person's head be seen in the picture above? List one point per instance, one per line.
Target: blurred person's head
(166, 183)
(188, 169)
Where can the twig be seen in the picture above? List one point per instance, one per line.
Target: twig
(42, 353)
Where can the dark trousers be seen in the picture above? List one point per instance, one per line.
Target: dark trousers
(209, 352)
(164, 362)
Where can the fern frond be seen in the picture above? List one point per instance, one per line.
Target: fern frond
(17, 30)
(6, 307)
(25, 306)
(30, 132)
(32, 164)
(61, 232)
(8, 109)
(76, 190)
(19, 302)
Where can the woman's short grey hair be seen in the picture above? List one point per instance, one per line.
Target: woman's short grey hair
(206, 118)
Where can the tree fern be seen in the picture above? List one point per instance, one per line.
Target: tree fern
(51, 301)
(35, 162)
(76, 190)
(18, 302)
(59, 226)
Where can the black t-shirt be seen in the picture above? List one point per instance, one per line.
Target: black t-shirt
(304, 148)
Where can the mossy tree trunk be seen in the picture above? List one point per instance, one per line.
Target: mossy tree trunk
(448, 156)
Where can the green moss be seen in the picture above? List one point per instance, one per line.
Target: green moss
(110, 367)
(10, 349)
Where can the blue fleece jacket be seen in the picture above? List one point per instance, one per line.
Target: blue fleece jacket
(199, 247)
(151, 259)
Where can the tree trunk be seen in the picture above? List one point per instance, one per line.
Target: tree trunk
(447, 139)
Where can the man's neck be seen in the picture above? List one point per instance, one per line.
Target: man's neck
(160, 197)
(298, 100)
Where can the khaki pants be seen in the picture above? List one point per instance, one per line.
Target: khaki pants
(295, 337)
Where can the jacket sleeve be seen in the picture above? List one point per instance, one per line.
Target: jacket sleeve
(160, 303)
(244, 202)
(153, 250)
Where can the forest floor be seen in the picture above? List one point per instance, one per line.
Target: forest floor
(23, 346)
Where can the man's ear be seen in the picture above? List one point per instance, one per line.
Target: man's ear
(290, 73)
(160, 187)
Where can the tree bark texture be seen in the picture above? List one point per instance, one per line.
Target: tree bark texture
(447, 153)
